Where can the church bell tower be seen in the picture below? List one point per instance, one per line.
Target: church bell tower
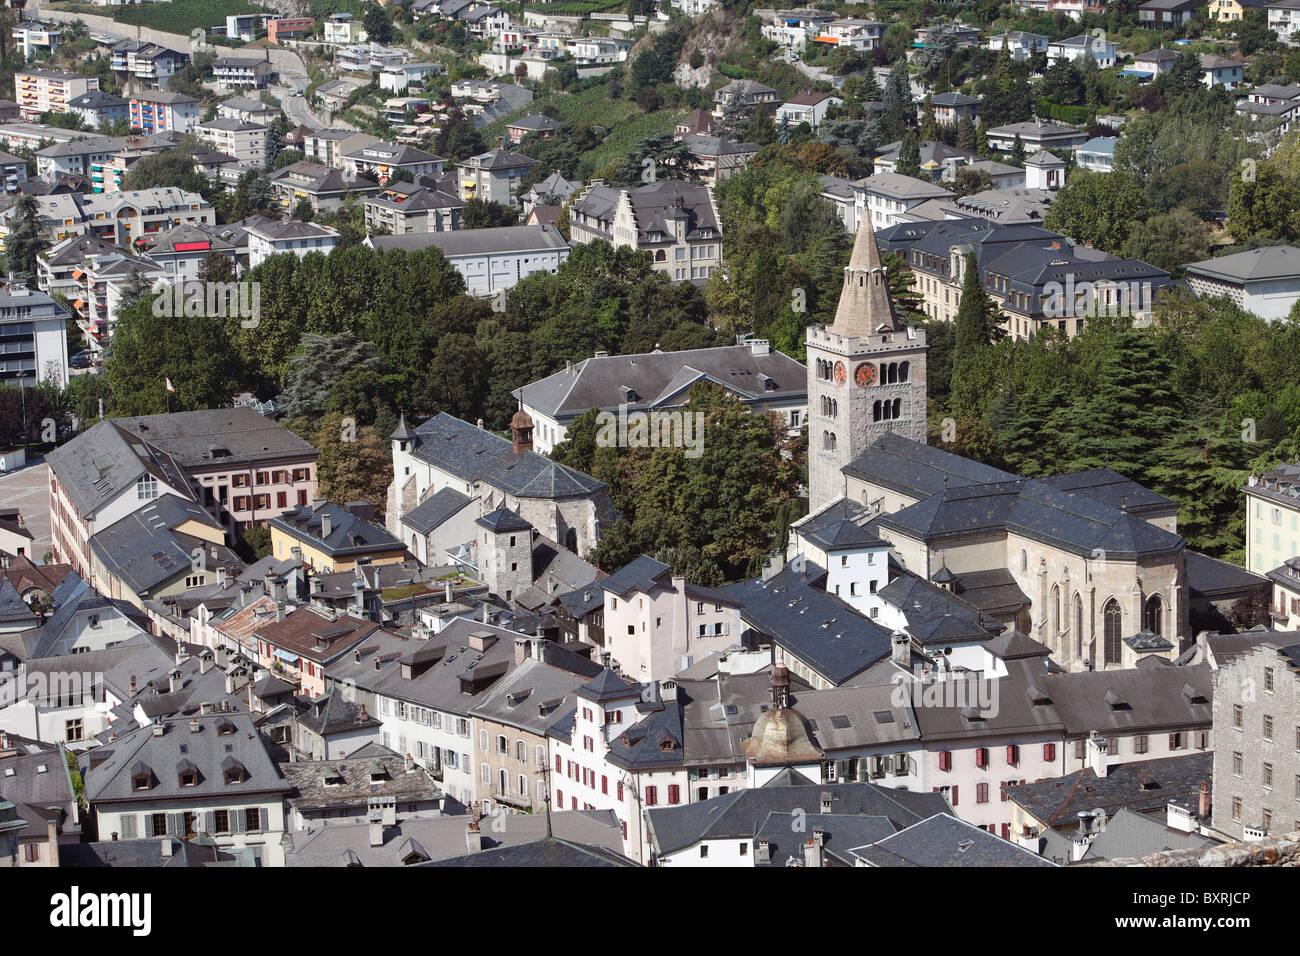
(866, 374)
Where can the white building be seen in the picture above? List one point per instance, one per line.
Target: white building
(33, 337)
(1265, 281)
(244, 141)
(491, 260)
(268, 238)
(1076, 48)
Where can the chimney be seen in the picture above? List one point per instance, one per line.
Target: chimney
(1203, 803)
(827, 802)
(812, 849)
(473, 835)
(177, 682)
(359, 596)
(317, 585)
(409, 764)
(131, 690)
(521, 650)
(326, 525)
(763, 852)
(486, 612)
(205, 662)
(159, 729)
(222, 578)
(447, 595)
(167, 847)
(901, 649)
(376, 829)
(1097, 748)
(194, 725)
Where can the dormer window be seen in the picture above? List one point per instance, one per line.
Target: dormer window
(225, 729)
(189, 778)
(140, 781)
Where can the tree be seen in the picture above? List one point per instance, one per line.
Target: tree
(378, 24)
(481, 214)
(975, 323)
(355, 463)
(25, 240)
(1099, 209)
(316, 368)
(303, 211)
(909, 156)
(193, 352)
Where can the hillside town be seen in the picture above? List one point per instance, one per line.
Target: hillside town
(421, 437)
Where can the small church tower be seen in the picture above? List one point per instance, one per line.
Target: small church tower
(866, 374)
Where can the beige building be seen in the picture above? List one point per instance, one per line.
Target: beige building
(676, 222)
(49, 91)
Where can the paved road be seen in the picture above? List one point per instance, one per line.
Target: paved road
(28, 490)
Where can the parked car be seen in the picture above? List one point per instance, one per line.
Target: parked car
(81, 360)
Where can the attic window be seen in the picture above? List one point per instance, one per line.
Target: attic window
(840, 722)
(225, 729)
(334, 779)
(189, 778)
(141, 781)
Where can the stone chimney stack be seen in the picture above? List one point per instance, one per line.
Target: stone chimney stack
(901, 649)
(812, 849)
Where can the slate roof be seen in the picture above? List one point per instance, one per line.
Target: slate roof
(944, 841)
(349, 535)
(917, 469)
(641, 574)
(111, 781)
(1255, 265)
(197, 852)
(500, 240)
(993, 591)
(1111, 488)
(534, 123)
(817, 627)
(40, 786)
(143, 551)
(663, 379)
(435, 509)
(514, 699)
(1143, 786)
(331, 713)
(104, 460)
(352, 781)
(740, 814)
(473, 454)
(13, 609)
(498, 159)
(72, 596)
(934, 615)
(837, 527)
(1130, 835)
(654, 205)
(218, 437)
(443, 838)
(1033, 509)
(1147, 699)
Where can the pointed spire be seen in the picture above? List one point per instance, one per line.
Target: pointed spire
(864, 301)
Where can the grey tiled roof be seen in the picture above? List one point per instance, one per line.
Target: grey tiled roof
(1150, 699)
(349, 535)
(197, 852)
(641, 574)
(218, 436)
(444, 837)
(435, 509)
(549, 852)
(815, 626)
(143, 551)
(917, 469)
(473, 454)
(662, 379)
(839, 527)
(944, 841)
(106, 459)
(1142, 786)
(206, 749)
(741, 813)
(1034, 509)
(501, 240)
(331, 783)
(1130, 835)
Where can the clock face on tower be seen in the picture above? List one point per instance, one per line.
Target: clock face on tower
(841, 373)
(865, 375)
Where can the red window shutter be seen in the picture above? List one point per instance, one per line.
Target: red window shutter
(623, 826)
(559, 797)
(573, 802)
(1013, 755)
(952, 794)
(1049, 752)
(604, 784)
(981, 793)
(674, 793)
(945, 760)
(651, 796)
(620, 793)
(981, 757)
(1006, 831)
